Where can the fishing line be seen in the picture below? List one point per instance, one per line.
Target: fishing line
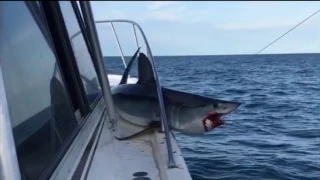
(287, 32)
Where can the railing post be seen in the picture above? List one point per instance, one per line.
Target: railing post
(165, 125)
(98, 60)
(135, 36)
(119, 46)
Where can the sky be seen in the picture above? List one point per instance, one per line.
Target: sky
(210, 27)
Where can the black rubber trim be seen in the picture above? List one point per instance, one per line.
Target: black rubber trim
(95, 147)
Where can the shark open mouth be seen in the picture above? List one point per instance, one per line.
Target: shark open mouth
(212, 120)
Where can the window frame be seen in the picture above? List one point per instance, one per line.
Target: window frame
(83, 30)
(54, 18)
(37, 12)
(48, 18)
(66, 58)
(56, 34)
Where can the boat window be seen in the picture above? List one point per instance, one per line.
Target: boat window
(81, 52)
(41, 112)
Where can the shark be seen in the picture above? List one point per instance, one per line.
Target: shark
(186, 112)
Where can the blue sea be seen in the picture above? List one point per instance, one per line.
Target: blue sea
(274, 134)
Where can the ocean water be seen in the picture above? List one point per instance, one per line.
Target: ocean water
(274, 134)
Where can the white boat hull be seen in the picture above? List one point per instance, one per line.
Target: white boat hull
(115, 79)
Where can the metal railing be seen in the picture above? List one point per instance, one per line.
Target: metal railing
(164, 121)
(98, 59)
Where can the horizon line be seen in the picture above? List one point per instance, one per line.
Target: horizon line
(228, 54)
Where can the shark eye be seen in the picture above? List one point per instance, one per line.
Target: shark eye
(215, 105)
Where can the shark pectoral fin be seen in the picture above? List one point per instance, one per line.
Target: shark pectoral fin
(152, 125)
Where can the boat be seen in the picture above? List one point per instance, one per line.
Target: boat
(63, 116)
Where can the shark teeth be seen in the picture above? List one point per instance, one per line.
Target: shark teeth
(208, 124)
(212, 120)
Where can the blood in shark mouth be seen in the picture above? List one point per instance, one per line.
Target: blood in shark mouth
(212, 120)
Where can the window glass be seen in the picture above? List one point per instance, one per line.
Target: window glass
(41, 113)
(81, 52)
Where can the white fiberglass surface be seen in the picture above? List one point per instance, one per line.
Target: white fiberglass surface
(115, 79)
(145, 154)
(117, 160)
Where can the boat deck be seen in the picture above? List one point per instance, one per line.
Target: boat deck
(142, 157)
(123, 159)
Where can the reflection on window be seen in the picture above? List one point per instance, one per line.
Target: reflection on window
(83, 58)
(41, 114)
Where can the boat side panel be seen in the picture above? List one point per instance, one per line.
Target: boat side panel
(41, 113)
(9, 168)
(72, 158)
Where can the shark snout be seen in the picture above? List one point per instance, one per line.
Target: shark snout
(225, 108)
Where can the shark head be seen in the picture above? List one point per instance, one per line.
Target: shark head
(197, 114)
